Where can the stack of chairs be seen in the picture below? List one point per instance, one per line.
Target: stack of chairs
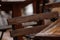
(53, 16)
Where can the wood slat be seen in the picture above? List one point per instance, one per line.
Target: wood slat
(52, 5)
(26, 31)
(7, 5)
(51, 25)
(55, 30)
(36, 17)
(52, 30)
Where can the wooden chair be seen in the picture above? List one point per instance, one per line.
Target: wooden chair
(7, 6)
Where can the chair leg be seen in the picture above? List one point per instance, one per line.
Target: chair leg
(1, 35)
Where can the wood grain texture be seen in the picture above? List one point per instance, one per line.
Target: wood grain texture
(16, 11)
(7, 5)
(52, 5)
(26, 31)
(36, 17)
(51, 25)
